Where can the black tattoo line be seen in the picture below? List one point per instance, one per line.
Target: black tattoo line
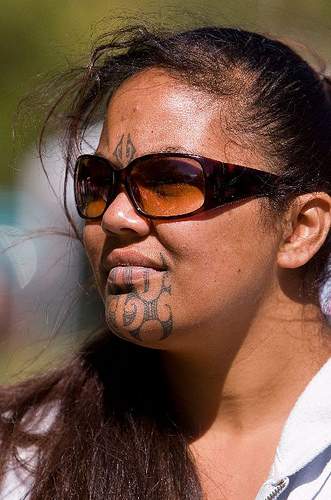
(138, 308)
(112, 313)
(130, 150)
(112, 319)
(146, 281)
(118, 152)
(150, 308)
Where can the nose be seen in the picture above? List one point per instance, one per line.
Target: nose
(121, 218)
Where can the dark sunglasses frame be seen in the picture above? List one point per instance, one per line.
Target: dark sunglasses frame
(225, 183)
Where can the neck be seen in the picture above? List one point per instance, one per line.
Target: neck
(247, 387)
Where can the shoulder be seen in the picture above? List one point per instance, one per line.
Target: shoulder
(302, 465)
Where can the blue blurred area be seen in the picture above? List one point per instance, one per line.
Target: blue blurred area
(8, 281)
(7, 219)
(7, 206)
(43, 269)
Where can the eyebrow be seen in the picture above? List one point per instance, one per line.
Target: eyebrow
(175, 149)
(165, 149)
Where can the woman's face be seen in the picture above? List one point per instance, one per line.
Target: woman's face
(167, 284)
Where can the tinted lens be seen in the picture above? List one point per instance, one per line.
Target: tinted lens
(168, 186)
(94, 182)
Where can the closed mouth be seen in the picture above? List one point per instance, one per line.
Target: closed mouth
(123, 279)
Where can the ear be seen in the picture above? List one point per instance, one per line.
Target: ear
(306, 227)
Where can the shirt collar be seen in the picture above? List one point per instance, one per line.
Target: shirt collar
(307, 431)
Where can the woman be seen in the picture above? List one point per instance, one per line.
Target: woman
(207, 220)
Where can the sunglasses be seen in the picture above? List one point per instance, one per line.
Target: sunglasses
(166, 185)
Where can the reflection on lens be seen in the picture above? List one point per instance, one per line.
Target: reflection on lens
(94, 208)
(168, 186)
(93, 181)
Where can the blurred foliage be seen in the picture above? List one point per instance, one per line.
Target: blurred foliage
(42, 36)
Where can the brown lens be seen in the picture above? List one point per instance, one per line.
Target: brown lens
(166, 186)
(95, 208)
(93, 181)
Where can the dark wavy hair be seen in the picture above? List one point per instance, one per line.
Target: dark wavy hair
(113, 432)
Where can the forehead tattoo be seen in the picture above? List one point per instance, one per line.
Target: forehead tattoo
(125, 150)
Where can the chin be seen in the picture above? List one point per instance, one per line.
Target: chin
(150, 339)
(141, 322)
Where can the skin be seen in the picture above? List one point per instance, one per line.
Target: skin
(225, 310)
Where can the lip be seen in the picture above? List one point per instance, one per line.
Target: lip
(125, 278)
(130, 258)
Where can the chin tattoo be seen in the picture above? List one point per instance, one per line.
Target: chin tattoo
(141, 312)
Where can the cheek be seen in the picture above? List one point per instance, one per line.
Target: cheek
(93, 239)
(207, 241)
(220, 261)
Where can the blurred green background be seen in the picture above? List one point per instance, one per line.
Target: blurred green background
(45, 37)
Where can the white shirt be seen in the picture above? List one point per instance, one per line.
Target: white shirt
(302, 463)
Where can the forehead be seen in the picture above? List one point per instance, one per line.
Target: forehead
(161, 113)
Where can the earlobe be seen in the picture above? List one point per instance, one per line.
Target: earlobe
(307, 227)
